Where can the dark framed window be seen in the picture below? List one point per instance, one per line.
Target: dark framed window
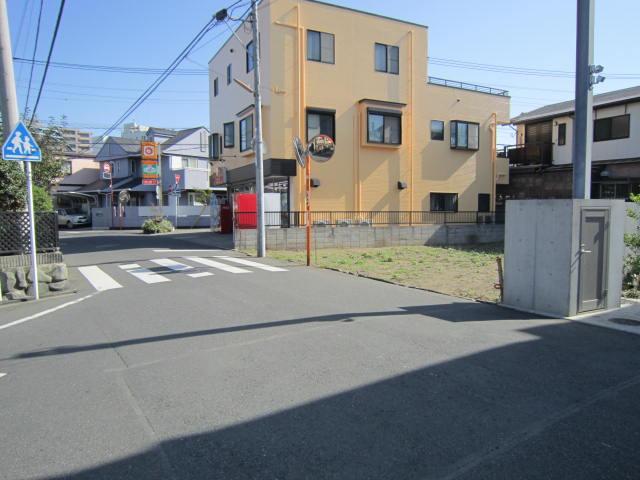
(384, 127)
(387, 58)
(215, 87)
(321, 122)
(443, 202)
(246, 133)
(214, 146)
(320, 47)
(229, 74)
(611, 128)
(484, 202)
(229, 140)
(249, 56)
(465, 135)
(562, 134)
(437, 130)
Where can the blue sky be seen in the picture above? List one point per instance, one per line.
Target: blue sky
(149, 33)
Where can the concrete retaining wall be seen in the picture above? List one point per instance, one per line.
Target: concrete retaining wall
(16, 277)
(135, 216)
(363, 237)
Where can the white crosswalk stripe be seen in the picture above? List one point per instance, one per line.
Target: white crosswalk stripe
(98, 279)
(219, 265)
(249, 263)
(172, 264)
(199, 274)
(102, 281)
(143, 274)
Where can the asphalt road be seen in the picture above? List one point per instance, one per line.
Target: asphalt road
(302, 373)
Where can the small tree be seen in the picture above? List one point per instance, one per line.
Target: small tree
(42, 201)
(632, 241)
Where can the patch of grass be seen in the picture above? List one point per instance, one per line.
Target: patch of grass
(468, 272)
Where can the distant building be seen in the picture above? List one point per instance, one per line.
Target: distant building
(184, 164)
(134, 131)
(77, 141)
(541, 161)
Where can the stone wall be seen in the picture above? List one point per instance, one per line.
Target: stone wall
(16, 276)
(362, 236)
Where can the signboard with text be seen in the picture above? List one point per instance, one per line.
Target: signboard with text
(150, 172)
(149, 150)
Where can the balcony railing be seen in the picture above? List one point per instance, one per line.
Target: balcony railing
(247, 220)
(530, 154)
(468, 86)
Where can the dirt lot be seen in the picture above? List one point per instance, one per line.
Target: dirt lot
(469, 272)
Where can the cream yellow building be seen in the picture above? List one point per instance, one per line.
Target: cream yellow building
(403, 141)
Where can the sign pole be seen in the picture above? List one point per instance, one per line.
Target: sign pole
(308, 206)
(32, 231)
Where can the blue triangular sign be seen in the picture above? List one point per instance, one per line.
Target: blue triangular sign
(20, 146)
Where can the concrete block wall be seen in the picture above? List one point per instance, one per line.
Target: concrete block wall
(364, 236)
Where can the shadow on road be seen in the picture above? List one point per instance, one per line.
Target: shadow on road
(455, 312)
(562, 404)
(109, 241)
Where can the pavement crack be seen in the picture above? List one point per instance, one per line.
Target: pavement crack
(147, 426)
(472, 461)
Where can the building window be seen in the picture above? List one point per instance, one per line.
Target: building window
(229, 74)
(188, 162)
(133, 166)
(320, 47)
(229, 135)
(437, 130)
(66, 167)
(465, 135)
(384, 127)
(484, 202)
(249, 54)
(215, 87)
(611, 128)
(215, 148)
(387, 58)
(246, 133)
(444, 202)
(562, 134)
(321, 122)
(193, 199)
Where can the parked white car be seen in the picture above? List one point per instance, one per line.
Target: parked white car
(71, 218)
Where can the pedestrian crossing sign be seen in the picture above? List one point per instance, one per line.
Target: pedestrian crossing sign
(20, 146)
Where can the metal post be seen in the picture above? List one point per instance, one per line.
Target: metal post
(159, 180)
(583, 125)
(8, 98)
(10, 116)
(307, 182)
(177, 197)
(261, 240)
(32, 231)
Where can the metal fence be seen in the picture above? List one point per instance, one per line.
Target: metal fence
(247, 220)
(14, 232)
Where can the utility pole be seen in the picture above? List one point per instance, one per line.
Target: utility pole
(585, 80)
(261, 240)
(10, 119)
(8, 98)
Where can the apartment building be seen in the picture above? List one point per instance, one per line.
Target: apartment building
(541, 162)
(77, 141)
(404, 140)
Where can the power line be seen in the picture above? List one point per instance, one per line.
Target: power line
(538, 72)
(46, 67)
(163, 76)
(111, 68)
(33, 57)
